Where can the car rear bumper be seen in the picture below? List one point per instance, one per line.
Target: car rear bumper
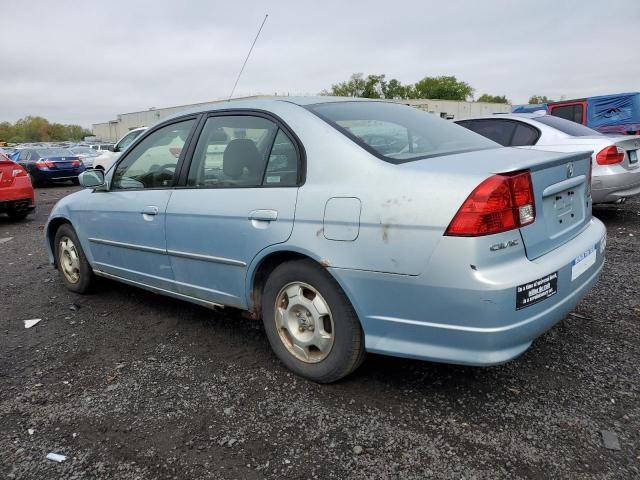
(612, 187)
(469, 318)
(56, 175)
(17, 197)
(18, 205)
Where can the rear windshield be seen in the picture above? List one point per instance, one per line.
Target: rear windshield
(84, 150)
(399, 133)
(54, 152)
(566, 126)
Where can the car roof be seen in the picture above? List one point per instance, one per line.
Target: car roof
(266, 103)
(513, 116)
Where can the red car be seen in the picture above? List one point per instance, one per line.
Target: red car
(16, 192)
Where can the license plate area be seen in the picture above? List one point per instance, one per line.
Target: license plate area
(633, 156)
(563, 210)
(583, 262)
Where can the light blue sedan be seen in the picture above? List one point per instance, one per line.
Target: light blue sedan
(347, 226)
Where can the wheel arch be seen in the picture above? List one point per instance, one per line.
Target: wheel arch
(262, 266)
(52, 227)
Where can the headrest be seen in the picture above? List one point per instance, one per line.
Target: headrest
(240, 153)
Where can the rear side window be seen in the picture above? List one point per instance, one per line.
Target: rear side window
(568, 112)
(524, 135)
(566, 126)
(500, 131)
(398, 133)
(243, 151)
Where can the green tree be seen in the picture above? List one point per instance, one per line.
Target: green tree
(485, 97)
(535, 99)
(358, 86)
(445, 87)
(38, 129)
(394, 89)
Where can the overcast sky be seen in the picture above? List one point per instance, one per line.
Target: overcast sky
(86, 62)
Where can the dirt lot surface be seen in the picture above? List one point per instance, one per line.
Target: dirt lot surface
(128, 384)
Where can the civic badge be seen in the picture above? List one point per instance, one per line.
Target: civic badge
(570, 170)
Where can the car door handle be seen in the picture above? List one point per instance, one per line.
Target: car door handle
(263, 215)
(150, 210)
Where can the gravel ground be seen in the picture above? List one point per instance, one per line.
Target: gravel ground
(131, 385)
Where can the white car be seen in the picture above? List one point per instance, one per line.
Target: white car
(106, 158)
(616, 169)
(86, 154)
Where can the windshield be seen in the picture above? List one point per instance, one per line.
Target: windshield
(566, 126)
(54, 152)
(84, 151)
(399, 133)
(127, 140)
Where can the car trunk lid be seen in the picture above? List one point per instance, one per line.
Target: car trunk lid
(563, 208)
(559, 181)
(631, 147)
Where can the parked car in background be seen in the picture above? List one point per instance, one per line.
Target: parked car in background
(86, 154)
(444, 246)
(106, 159)
(616, 170)
(16, 192)
(611, 114)
(50, 164)
(102, 147)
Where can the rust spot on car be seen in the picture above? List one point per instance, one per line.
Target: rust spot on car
(320, 232)
(254, 311)
(324, 263)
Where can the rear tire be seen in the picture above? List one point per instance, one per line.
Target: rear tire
(75, 181)
(17, 215)
(310, 323)
(34, 183)
(75, 272)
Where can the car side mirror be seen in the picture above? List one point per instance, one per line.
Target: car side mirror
(93, 178)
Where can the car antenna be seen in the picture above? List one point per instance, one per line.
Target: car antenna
(245, 60)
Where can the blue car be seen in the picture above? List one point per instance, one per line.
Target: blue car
(46, 165)
(347, 226)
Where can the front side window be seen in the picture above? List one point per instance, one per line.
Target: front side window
(398, 133)
(242, 151)
(152, 163)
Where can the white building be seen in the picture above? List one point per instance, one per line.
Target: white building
(450, 109)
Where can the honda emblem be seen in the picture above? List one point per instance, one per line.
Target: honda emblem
(570, 170)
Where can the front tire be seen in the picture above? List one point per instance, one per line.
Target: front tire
(74, 270)
(311, 325)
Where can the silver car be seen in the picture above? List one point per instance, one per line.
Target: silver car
(347, 226)
(616, 169)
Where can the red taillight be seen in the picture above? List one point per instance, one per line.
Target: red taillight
(76, 163)
(18, 171)
(500, 203)
(45, 164)
(610, 156)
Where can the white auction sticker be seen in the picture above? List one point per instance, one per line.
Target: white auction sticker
(582, 262)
